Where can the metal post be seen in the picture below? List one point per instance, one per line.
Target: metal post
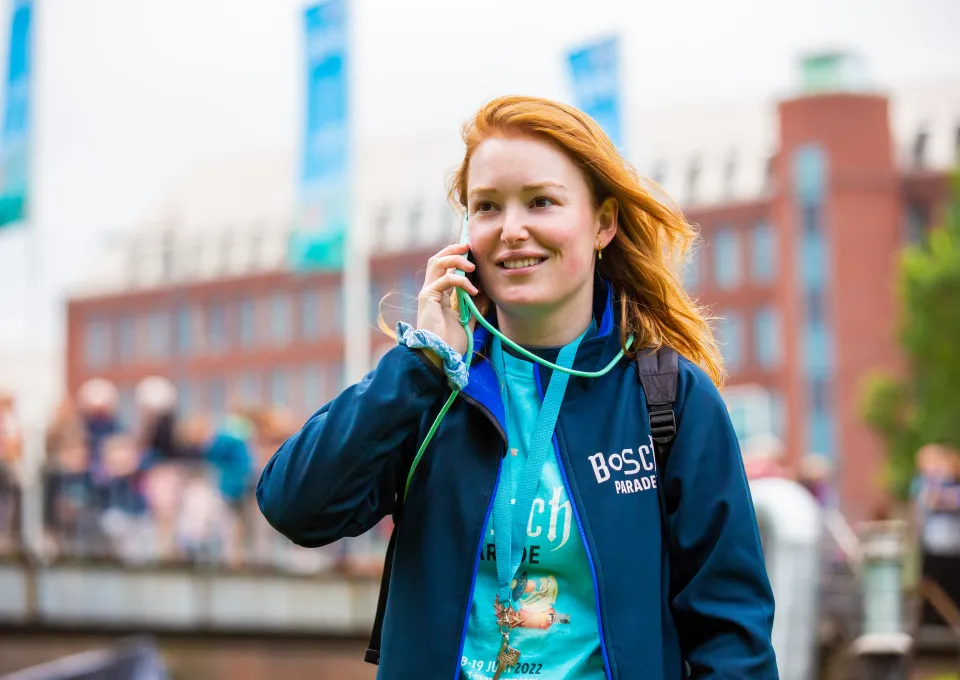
(884, 647)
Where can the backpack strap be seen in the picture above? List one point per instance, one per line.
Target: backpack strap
(659, 376)
(372, 655)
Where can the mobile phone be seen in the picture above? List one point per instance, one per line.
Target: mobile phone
(472, 276)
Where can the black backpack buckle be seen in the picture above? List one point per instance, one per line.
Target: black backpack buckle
(663, 426)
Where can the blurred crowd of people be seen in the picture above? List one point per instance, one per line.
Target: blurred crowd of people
(165, 489)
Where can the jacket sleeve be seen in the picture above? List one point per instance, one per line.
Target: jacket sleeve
(339, 475)
(722, 602)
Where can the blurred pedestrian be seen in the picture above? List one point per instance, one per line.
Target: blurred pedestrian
(156, 401)
(123, 505)
(72, 509)
(815, 475)
(97, 400)
(163, 492)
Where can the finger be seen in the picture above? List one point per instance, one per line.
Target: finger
(443, 264)
(446, 283)
(433, 270)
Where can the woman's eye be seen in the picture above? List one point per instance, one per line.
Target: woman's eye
(542, 203)
(484, 206)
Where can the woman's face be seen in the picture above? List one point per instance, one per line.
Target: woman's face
(534, 228)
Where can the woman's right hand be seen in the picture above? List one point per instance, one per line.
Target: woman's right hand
(434, 310)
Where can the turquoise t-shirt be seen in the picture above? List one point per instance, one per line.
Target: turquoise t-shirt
(559, 637)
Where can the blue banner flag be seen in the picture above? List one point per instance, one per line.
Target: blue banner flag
(15, 134)
(595, 70)
(319, 237)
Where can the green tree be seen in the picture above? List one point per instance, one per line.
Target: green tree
(923, 406)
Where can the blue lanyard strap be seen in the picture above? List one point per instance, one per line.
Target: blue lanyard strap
(509, 515)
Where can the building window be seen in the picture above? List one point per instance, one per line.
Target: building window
(819, 394)
(141, 348)
(817, 350)
(187, 401)
(767, 337)
(312, 390)
(739, 419)
(310, 314)
(96, 343)
(816, 312)
(763, 255)
(809, 174)
(810, 181)
(279, 388)
(216, 327)
(127, 339)
(280, 318)
(249, 388)
(778, 414)
(184, 331)
(247, 323)
(813, 264)
(159, 335)
(820, 432)
(331, 315)
(726, 258)
(730, 338)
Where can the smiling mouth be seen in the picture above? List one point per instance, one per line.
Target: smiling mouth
(525, 263)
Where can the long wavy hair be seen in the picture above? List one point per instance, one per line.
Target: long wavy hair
(645, 260)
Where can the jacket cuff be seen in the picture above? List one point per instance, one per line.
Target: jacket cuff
(454, 366)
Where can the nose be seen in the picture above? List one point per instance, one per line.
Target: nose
(514, 228)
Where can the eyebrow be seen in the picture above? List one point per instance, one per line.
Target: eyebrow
(527, 188)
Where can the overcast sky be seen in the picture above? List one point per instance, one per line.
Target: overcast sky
(130, 93)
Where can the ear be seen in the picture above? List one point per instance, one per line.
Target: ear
(607, 216)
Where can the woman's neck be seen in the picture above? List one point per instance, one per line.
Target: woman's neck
(553, 329)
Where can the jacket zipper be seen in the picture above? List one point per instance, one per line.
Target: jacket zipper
(486, 519)
(586, 546)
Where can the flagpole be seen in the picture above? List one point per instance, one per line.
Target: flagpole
(33, 418)
(356, 266)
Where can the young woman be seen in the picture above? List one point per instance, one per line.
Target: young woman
(532, 542)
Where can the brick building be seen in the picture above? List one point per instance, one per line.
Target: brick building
(803, 206)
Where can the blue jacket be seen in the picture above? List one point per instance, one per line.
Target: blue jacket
(712, 608)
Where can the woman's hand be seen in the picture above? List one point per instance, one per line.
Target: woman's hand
(434, 310)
